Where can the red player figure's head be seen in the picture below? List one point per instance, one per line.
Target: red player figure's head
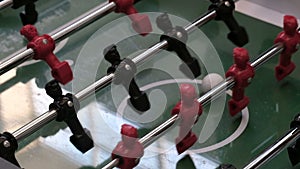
(129, 134)
(188, 93)
(290, 25)
(241, 57)
(29, 31)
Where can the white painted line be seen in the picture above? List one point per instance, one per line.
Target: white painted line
(261, 13)
(263, 143)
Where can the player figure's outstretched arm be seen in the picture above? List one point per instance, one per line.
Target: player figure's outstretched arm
(176, 109)
(200, 109)
(280, 38)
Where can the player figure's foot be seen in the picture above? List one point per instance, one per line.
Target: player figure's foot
(141, 24)
(237, 106)
(282, 71)
(62, 72)
(186, 142)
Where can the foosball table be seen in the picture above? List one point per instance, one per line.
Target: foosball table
(148, 84)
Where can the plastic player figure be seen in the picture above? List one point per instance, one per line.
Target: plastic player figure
(43, 47)
(242, 72)
(189, 109)
(140, 22)
(290, 37)
(130, 150)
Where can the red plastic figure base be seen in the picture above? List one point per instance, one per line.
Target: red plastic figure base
(236, 106)
(188, 141)
(129, 150)
(43, 47)
(282, 71)
(189, 109)
(290, 37)
(242, 72)
(140, 22)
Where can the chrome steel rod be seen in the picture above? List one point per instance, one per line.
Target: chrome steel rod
(205, 99)
(5, 4)
(210, 15)
(94, 87)
(59, 34)
(111, 164)
(82, 21)
(274, 149)
(158, 131)
(268, 54)
(34, 125)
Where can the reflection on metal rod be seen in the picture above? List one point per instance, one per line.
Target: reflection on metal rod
(201, 21)
(104, 81)
(5, 3)
(158, 131)
(34, 125)
(113, 163)
(59, 34)
(274, 149)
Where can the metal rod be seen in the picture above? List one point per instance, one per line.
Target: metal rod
(112, 163)
(268, 54)
(104, 81)
(5, 3)
(210, 15)
(270, 152)
(82, 21)
(59, 34)
(158, 131)
(34, 125)
(206, 98)
(141, 58)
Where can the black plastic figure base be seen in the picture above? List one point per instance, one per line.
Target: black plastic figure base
(8, 147)
(66, 107)
(7, 165)
(224, 9)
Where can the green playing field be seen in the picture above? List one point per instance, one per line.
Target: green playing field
(222, 138)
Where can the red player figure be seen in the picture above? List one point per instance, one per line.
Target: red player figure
(242, 72)
(290, 37)
(43, 47)
(140, 22)
(130, 150)
(189, 109)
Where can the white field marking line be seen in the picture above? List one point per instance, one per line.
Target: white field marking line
(277, 107)
(260, 12)
(261, 144)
